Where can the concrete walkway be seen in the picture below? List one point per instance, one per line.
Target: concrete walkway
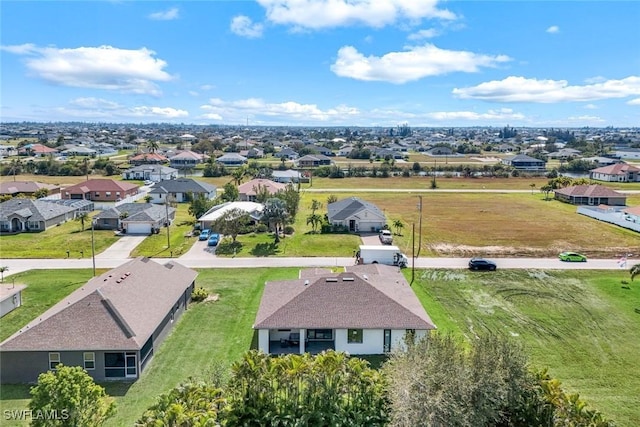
(122, 247)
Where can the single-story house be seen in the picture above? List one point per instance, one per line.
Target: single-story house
(112, 326)
(287, 176)
(591, 195)
(26, 215)
(525, 163)
(249, 190)
(10, 298)
(286, 153)
(319, 149)
(181, 190)
(155, 173)
(101, 190)
(601, 161)
(313, 160)
(627, 153)
(440, 150)
(37, 150)
(632, 214)
(135, 218)
(77, 150)
(252, 208)
(148, 159)
(618, 172)
(367, 309)
(565, 154)
(356, 215)
(253, 153)
(187, 159)
(28, 188)
(232, 159)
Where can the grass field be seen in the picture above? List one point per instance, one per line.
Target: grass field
(581, 324)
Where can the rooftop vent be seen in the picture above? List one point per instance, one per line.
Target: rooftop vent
(348, 279)
(306, 282)
(331, 279)
(365, 277)
(118, 281)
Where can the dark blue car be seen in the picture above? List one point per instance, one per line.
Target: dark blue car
(214, 238)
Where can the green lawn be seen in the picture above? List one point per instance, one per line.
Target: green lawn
(581, 324)
(156, 244)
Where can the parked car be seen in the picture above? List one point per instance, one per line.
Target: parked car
(572, 257)
(385, 237)
(204, 234)
(213, 239)
(482, 264)
(148, 182)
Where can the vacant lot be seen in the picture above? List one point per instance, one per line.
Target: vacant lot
(581, 324)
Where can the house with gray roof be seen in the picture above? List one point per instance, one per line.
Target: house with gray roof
(181, 190)
(367, 309)
(111, 326)
(135, 218)
(356, 215)
(232, 159)
(522, 162)
(20, 215)
(155, 173)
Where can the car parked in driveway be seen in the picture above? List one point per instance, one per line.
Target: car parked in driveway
(572, 257)
(482, 264)
(214, 238)
(385, 236)
(204, 234)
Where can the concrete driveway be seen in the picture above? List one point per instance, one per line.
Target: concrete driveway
(370, 239)
(122, 248)
(199, 251)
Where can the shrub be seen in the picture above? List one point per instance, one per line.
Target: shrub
(199, 294)
(288, 229)
(262, 228)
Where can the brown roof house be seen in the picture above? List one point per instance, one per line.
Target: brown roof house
(249, 190)
(591, 195)
(111, 326)
(101, 190)
(619, 172)
(28, 188)
(367, 309)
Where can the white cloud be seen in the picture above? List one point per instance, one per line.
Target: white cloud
(103, 67)
(166, 15)
(95, 103)
(207, 87)
(412, 64)
(554, 29)
(590, 107)
(21, 49)
(501, 114)
(160, 112)
(193, 93)
(424, 34)
(521, 89)
(585, 119)
(634, 101)
(98, 108)
(245, 27)
(317, 14)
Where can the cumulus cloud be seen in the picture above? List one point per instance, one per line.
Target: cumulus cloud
(501, 114)
(424, 34)
(99, 108)
(245, 27)
(95, 103)
(634, 102)
(590, 107)
(166, 15)
(318, 14)
(521, 89)
(238, 110)
(554, 29)
(160, 112)
(586, 119)
(103, 67)
(412, 64)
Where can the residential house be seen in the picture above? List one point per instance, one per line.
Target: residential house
(111, 326)
(148, 159)
(286, 153)
(632, 214)
(524, 163)
(627, 153)
(20, 215)
(250, 189)
(345, 150)
(187, 159)
(101, 190)
(312, 160)
(155, 173)
(181, 190)
(76, 150)
(565, 154)
(367, 309)
(37, 150)
(592, 195)
(232, 159)
(601, 161)
(10, 298)
(288, 176)
(253, 153)
(356, 215)
(618, 172)
(253, 209)
(28, 188)
(319, 149)
(135, 218)
(386, 153)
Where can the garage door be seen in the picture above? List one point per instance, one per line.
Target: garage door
(138, 228)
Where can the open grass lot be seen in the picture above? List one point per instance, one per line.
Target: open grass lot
(582, 325)
(156, 244)
(55, 241)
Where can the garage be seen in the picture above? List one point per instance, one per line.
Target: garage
(137, 227)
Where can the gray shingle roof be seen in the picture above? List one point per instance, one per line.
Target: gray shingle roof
(182, 185)
(345, 208)
(35, 210)
(137, 212)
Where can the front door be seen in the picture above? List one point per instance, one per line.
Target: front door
(387, 340)
(352, 225)
(132, 366)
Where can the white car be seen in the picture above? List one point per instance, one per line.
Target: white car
(148, 182)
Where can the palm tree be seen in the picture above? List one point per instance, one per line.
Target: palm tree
(82, 217)
(275, 213)
(238, 175)
(2, 270)
(314, 219)
(634, 271)
(153, 146)
(398, 225)
(532, 185)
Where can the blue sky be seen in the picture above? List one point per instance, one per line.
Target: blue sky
(322, 62)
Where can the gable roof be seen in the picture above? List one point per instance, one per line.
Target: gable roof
(138, 212)
(101, 185)
(616, 169)
(15, 187)
(148, 157)
(182, 185)
(35, 210)
(345, 208)
(343, 300)
(249, 188)
(523, 158)
(593, 190)
(119, 309)
(254, 210)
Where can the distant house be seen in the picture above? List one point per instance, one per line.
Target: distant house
(147, 159)
(76, 150)
(155, 173)
(618, 172)
(627, 153)
(253, 153)
(187, 160)
(37, 150)
(565, 154)
(26, 215)
(10, 298)
(135, 218)
(232, 159)
(600, 161)
(253, 209)
(287, 176)
(101, 190)
(356, 215)
(313, 160)
(439, 151)
(591, 195)
(632, 214)
(28, 188)
(181, 190)
(286, 153)
(322, 310)
(250, 189)
(522, 162)
(319, 149)
(111, 326)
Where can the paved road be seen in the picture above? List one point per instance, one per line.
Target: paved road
(429, 190)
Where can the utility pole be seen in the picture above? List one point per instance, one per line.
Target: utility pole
(419, 226)
(166, 206)
(93, 248)
(413, 252)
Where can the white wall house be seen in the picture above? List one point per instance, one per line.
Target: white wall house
(10, 298)
(356, 215)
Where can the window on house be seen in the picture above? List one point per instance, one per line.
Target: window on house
(54, 360)
(89, 360)
(354, 336)
(108, 193)
(97, 194)
(117, 194)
